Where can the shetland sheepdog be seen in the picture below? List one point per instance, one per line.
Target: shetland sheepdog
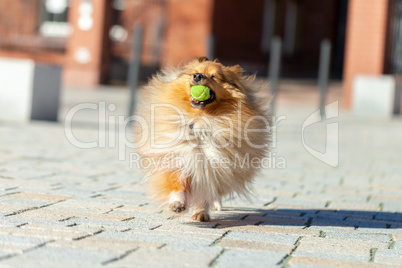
(195, 153)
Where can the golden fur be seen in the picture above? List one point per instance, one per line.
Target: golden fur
(185, 141)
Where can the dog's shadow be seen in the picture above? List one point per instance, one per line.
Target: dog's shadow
(303, 218)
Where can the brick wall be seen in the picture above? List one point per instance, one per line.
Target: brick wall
(11, 12)
(86, 73)
(189, 27)
(19, 36)
(365, 41)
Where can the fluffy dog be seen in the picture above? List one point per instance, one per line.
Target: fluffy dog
(196, 152)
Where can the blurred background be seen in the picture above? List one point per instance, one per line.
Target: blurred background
(93, 41)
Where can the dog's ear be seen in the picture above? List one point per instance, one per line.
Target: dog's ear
(237, 70)
(202, 59)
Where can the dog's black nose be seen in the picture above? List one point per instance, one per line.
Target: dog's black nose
(197, 77)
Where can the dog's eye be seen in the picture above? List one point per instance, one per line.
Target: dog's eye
(212, 76)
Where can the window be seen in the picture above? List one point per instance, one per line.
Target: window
(53, 18)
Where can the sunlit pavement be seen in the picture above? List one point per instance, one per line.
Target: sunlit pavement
(66, 206)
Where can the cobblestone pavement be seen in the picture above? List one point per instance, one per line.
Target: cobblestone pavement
(71, 207)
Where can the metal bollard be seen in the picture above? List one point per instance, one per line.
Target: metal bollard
(274, 69)
(398, 90)
(135, 65)
(323, 72)
(211, 47)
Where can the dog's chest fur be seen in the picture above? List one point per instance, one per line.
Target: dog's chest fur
(209, 163)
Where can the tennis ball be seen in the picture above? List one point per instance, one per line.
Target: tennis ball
(199, 92)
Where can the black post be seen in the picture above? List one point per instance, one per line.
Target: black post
(274, 69)
(135, 65)
(268, 24)
(398, 90)
(211, 47)
(323, 72)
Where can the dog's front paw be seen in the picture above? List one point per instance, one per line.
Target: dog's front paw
(177, 206)
(200, 216)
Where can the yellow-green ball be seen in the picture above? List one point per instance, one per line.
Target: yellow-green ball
(200, 93)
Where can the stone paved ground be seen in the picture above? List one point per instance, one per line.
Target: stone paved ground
(71, 207)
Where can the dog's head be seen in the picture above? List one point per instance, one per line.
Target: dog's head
(228, 86)
(225, 83)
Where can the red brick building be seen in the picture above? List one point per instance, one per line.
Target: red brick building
(91, 39)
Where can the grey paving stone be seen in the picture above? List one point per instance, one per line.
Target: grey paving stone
(261, 237)
(53, 255)
(398, 246)
(22, 240)
(331, 228)
(177, 241)
(388, 256)
(391, 206)
(333, 256)
(114, 225)
(23, 261)
(234, 258)
(305, 266)
(165, 258)
(86, 205)
(24, 174)
(359, 236)
(28, 203)
(10, 221)
(390, 230)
